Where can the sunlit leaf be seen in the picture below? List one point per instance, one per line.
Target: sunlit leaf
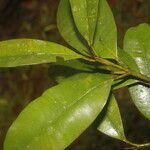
(137, 45)
(28, 51)
(60, 115)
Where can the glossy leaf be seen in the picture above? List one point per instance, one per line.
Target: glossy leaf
(111, 123)
(27, 52)
(68, 29)
(137, 45)
(105, 40)
(141, 97)
(85, 16)
(60, 115)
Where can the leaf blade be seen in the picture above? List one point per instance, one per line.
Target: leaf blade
(85, 17)
(111, 123)
(68, 29)
(28, 51)
(105, 40)
(41, 125)
(137, 45)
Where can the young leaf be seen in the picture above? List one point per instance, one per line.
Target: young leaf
(137, 45)
(60, 115)
(28, 51)
(85, 17)
(68, 29)
(111, 123)
(105, 40)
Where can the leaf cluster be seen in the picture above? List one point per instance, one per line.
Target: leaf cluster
(55, 119)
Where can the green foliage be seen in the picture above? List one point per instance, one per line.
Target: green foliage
(60, 115)
(27, 51)
(68, 29)
(86, 26)
(54, 120)
(111, 123)
(85, 16)
(105, 44)
(137, 45)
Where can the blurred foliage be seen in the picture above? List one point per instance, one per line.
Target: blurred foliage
(18, 86)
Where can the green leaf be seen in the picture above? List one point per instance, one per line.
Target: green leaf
(137, 45)
(105, 40)
(141, 97)
(60, 115)
(68, 29)
(111, 123)
(85, 16)
(127, 60)
(28, 51)
(94, 21)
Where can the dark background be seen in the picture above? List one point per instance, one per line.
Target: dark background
(18, 86)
